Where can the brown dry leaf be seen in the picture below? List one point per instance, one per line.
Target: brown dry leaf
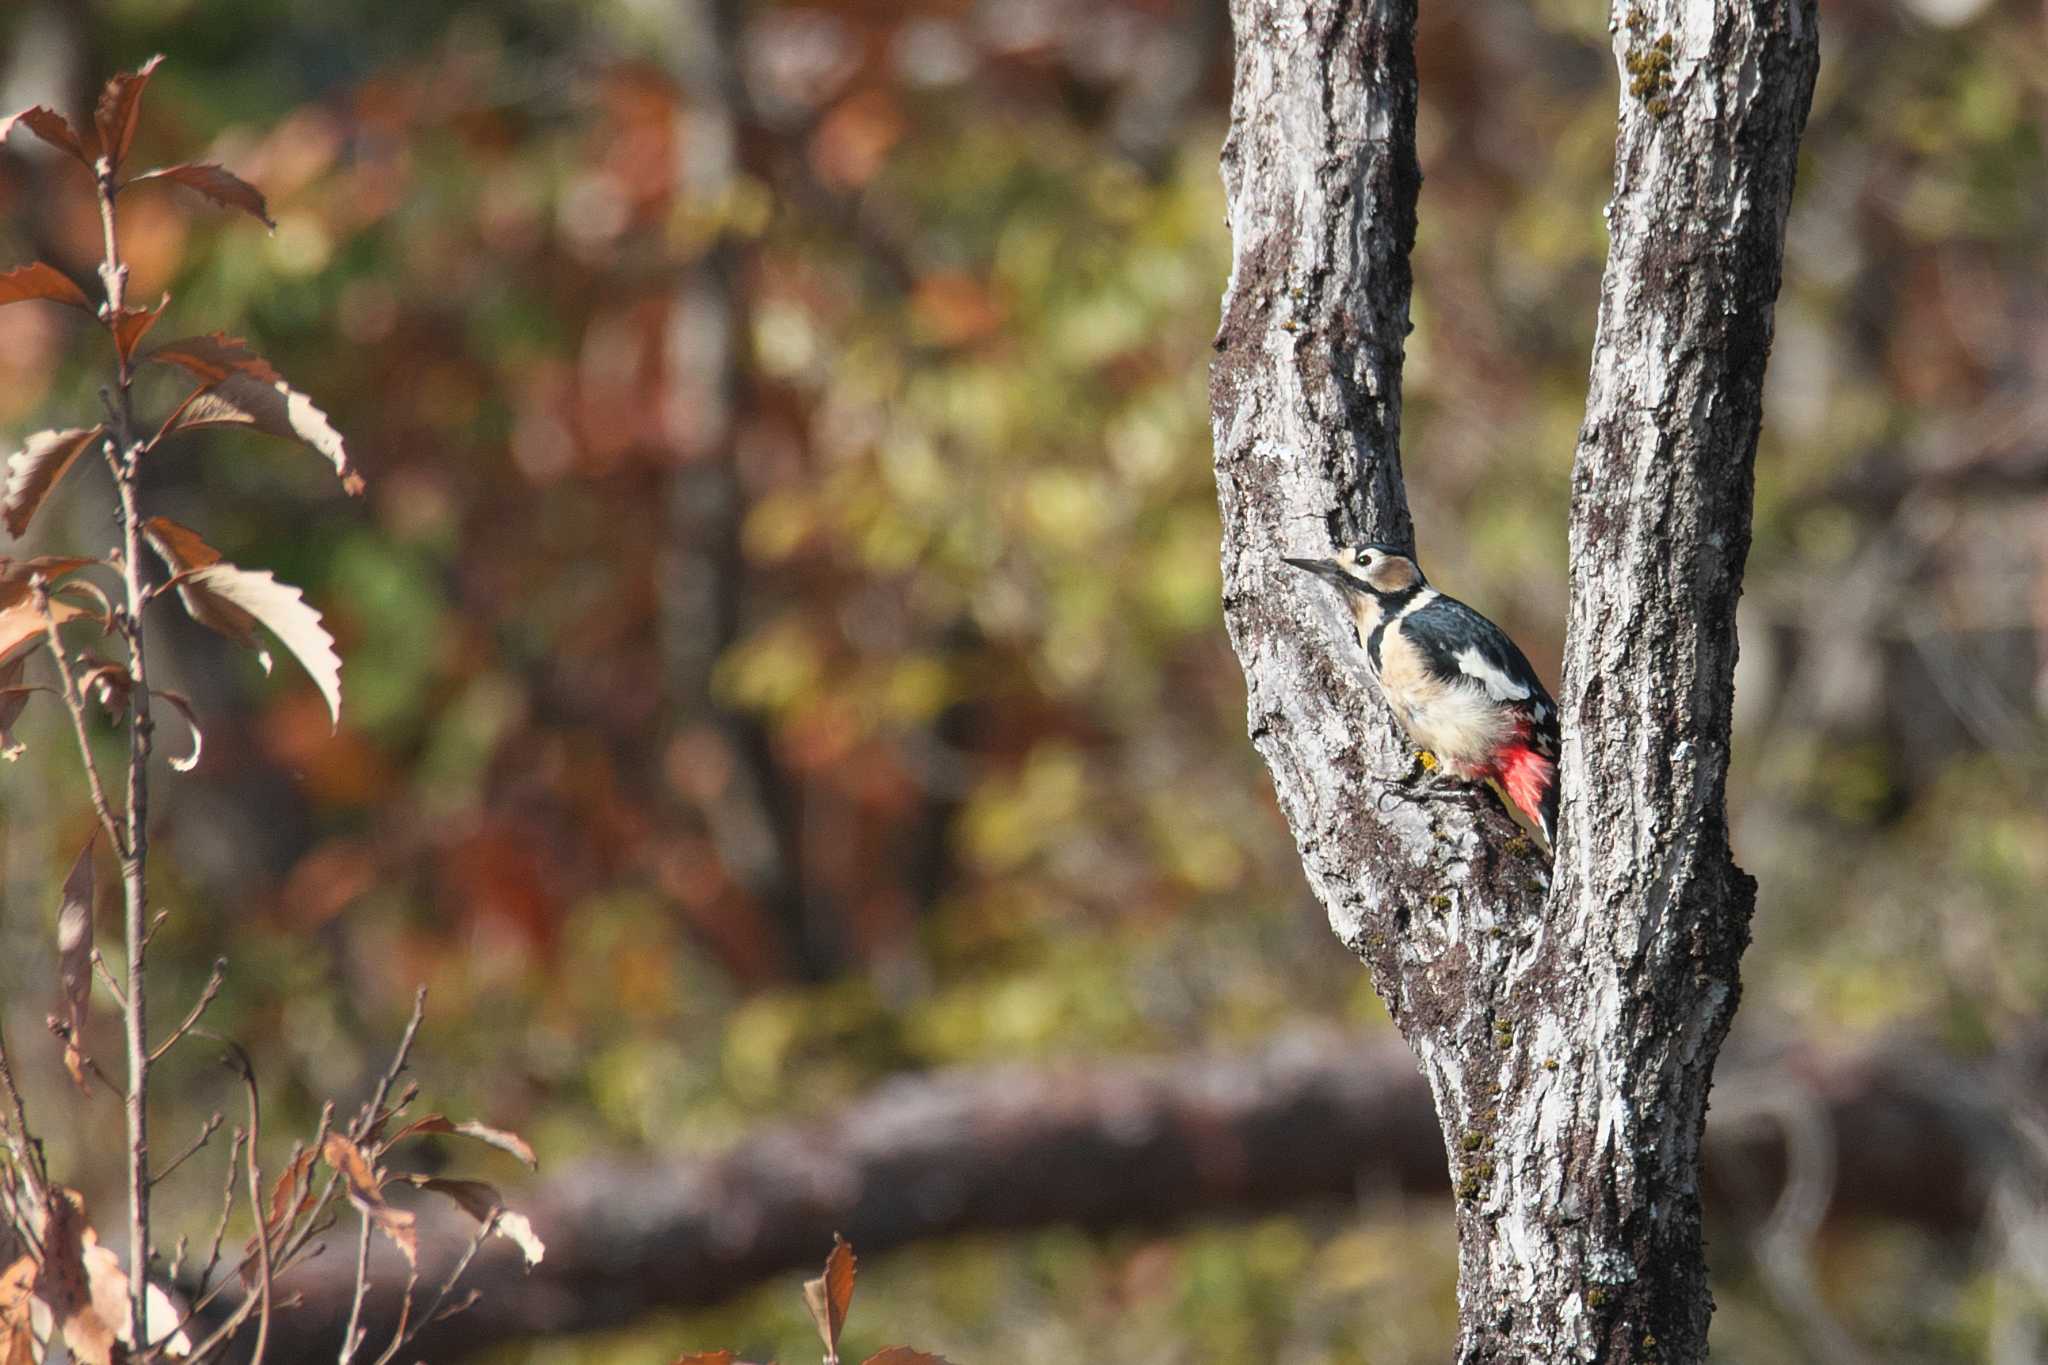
(38, 281)
(282, 608)
(182, 704)
(217, 183)
(134, 325)
(53, 128)
(497, 1137)
(273, 408)
(21, 624)
(212, 358)
(829, 1295)
(67, 1286)
(480, 1200)
(110, 1300)
(119, 104)
(903, 1355)
(35, 469)
(282, 1213)
(74, 958)
(182, 550)
(17, 1324)
(366, 1192)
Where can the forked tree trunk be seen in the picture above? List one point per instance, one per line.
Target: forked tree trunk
(1567, 1021)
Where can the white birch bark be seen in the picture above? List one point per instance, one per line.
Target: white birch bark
(1567, 1026)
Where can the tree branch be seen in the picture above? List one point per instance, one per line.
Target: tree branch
(1314, 1116)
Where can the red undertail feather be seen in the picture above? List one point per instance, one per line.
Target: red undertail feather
(1531, 782)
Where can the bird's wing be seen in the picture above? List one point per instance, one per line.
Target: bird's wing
(1460, 643)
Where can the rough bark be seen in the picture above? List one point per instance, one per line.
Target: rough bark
(1567, 1025)
(1314, 1116)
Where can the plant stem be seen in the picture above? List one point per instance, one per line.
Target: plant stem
(134, 860)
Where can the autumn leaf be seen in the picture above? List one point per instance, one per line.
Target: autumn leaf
(38, 281)
(183, 706)
(183, 550)
(481, 1201)
(53, 128)
(239, 388)
(366, 1192)
(217, 183)
(21, 621)
(66, 1283)
(282, 608)
(74, 959)
(115, 115)
(496, 1137)
(903, 1355)
(35, 469)
(17, 1313)
(829, 1295)
(134, 324)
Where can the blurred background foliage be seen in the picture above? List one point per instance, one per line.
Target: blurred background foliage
(782, 633)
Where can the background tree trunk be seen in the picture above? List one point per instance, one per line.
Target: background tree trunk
(1567, 1025)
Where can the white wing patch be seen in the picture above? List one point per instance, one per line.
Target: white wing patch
(1499, 685)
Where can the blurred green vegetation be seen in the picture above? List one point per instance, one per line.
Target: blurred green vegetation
(963, 775)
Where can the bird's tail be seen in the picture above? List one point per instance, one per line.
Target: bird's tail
(1531, 782)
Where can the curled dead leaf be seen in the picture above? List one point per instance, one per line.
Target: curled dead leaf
(481, 1201)
(366, 1192)
(183, 706)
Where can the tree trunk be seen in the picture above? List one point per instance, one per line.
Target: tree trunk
(1567, 1021)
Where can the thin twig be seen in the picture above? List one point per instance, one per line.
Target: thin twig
(106, 976)
(141, 731)
(156, 923)
(352, 1336)
(368, 1116)
(206, 997)
(62, 1032)
(75, 704)
(264, 1269)
(21, 1143)
(227, 1206)
(206, 1132)
(398, 1341)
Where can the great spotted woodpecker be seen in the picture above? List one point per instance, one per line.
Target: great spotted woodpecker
(1454, 679)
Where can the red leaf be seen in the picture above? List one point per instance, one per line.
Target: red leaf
(53, 128)
(119, 103)
(35, 469)
(217, 183)
(212, 358)
(38, 281)
(283, 609)
(241, 389)
(134, 324)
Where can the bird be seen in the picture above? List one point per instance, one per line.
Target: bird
(1464, 692)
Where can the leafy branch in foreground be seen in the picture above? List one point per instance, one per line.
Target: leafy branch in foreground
(67, 1287)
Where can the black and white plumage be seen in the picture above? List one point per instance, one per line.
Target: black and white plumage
(1460, 687)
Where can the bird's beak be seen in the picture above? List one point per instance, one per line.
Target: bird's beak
(1322, 568)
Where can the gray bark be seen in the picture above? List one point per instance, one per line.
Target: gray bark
(1566, 1023)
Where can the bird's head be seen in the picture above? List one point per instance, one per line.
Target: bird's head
(1380, 570)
